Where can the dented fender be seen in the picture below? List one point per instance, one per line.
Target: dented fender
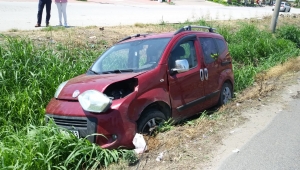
(146, 99)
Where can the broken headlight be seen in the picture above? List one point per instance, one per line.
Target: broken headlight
(94, 101)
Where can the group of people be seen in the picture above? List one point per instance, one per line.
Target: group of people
(61, 8)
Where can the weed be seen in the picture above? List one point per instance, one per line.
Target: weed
(165, 126)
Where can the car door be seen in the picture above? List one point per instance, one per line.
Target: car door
(288, 7)
(186, 88)
(211, 68)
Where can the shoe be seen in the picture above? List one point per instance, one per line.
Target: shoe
(47, 24)
(37, 25)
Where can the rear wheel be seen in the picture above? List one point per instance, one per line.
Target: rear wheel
(289, 9)
(150, 120)
(226, 94)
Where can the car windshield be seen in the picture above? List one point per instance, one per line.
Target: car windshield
(134, 56)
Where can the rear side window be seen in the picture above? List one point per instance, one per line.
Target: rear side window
(221, 45)
(210, 49)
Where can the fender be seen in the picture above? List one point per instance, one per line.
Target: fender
(225, 76)
(146, 99)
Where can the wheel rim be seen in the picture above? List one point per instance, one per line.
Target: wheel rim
(151, 125)
(226, 95)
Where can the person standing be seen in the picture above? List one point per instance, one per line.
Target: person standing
(61, 8)
(41, 6)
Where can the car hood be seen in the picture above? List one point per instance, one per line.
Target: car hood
(86, 82)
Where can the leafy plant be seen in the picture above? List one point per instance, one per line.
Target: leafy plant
(289, 32)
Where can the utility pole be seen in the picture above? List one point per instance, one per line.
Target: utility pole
(275, 15)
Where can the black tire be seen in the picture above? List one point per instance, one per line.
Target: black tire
(149, 120)
(226, 94)
(289, 9)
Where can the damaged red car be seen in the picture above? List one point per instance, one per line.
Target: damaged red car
(142, 81)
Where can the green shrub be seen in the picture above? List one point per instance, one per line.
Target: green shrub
(289, 32)
(254, 50)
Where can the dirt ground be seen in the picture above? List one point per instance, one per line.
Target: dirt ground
(205, 140)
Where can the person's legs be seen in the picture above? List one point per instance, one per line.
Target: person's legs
(48, 10)
(59, 9)
(40, 13)
(64, 8)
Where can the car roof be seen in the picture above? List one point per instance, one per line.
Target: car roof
(184, 30)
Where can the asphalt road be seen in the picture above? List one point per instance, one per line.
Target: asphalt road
(22, 14)
(274, 148)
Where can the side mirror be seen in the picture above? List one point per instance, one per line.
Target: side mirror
(181, 66)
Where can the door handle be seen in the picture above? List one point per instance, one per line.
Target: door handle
(206, 74)
(201, 75)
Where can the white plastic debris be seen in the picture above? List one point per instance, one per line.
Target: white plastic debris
(236, 150)
(139, 143)
(160, 156)
(92, 37)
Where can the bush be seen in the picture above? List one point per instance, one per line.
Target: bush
(289, 32)
(254, 50)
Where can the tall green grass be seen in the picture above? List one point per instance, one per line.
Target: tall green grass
(46, 147)
(254, 50)
(29, 76)
(290, 32)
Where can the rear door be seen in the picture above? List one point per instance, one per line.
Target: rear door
(213, 49)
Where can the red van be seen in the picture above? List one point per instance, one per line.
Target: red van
(142, 81)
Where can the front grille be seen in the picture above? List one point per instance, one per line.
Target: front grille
(84, 125)
(67, 122)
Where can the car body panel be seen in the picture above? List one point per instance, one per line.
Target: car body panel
(177, 94)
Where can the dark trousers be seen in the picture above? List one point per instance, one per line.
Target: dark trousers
(42, 3)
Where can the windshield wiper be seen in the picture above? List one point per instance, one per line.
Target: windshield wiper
(90, 70)
(117, 71)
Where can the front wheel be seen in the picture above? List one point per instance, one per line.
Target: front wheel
(150, 120)
(226, 94)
